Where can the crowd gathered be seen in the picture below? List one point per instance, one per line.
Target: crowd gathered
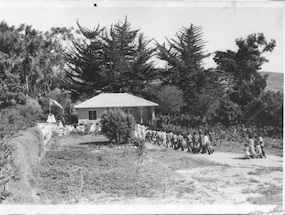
(198, 141)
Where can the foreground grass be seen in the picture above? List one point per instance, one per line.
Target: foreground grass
(265, 170)
(69, 175)
(80, 171)
(271, 194)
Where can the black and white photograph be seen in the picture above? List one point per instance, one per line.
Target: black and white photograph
(141, 107)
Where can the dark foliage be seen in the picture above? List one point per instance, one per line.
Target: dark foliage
(117, 60)
(241, 67)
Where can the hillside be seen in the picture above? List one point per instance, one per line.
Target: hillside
(275, 81)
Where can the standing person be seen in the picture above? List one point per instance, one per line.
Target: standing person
(212, 137)
(158, 138)
(163, 135)
(247, 150)
(171, 139)
(147, 136)
(208, 144)
(196, 143)
(251, 146)
(179, 142)
(257, 146)
(190, 142)
(202, 143)
(184, 142)
(168, 140)
(174, 140)
(262, 145)
(153, 136)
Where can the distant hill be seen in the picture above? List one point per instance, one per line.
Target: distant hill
(275, 81)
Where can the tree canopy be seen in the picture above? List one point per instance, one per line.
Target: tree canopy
(241, 67)
(114, 60)
(31, 61)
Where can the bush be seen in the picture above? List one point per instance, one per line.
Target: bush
(19, 118)
(117, 125)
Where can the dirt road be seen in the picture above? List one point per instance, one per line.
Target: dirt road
(240, 181)
(237, 160)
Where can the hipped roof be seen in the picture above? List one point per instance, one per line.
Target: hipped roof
(104, 100)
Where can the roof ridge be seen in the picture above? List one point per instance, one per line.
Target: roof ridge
(116, 98)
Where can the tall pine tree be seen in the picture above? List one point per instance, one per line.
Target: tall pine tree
(128, 67)
(184, 57)
(84, 61)
(114, 60)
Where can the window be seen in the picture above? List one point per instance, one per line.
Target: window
(92, 115)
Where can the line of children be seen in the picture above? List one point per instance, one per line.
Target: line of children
(195, 143)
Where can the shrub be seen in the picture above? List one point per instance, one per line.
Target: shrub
(117, 125)
(19, 118)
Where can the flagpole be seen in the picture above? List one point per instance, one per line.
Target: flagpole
(49, 106)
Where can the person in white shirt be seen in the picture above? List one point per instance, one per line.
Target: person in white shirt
(208, 144)
(261, 141)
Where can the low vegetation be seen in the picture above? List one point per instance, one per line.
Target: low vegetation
(271, 194)
(265, 170)
(70, 173)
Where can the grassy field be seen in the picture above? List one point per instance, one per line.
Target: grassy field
(78, 170)
(70, 175)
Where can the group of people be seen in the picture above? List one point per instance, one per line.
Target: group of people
(195, 142)
(254, 147)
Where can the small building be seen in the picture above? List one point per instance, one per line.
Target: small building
(91, 110)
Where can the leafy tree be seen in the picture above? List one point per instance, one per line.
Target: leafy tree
(229, 113)
(170, 99)
(241, 67)
(267, 110)
(184, 56)
(11, 91)
(117, 125)
(35, 57)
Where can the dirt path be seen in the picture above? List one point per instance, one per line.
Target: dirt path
(232, 159)
(240, 181)
(237, 160)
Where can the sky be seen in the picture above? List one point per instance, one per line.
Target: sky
(222, 22)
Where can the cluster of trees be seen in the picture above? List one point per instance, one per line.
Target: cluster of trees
(81, 64)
